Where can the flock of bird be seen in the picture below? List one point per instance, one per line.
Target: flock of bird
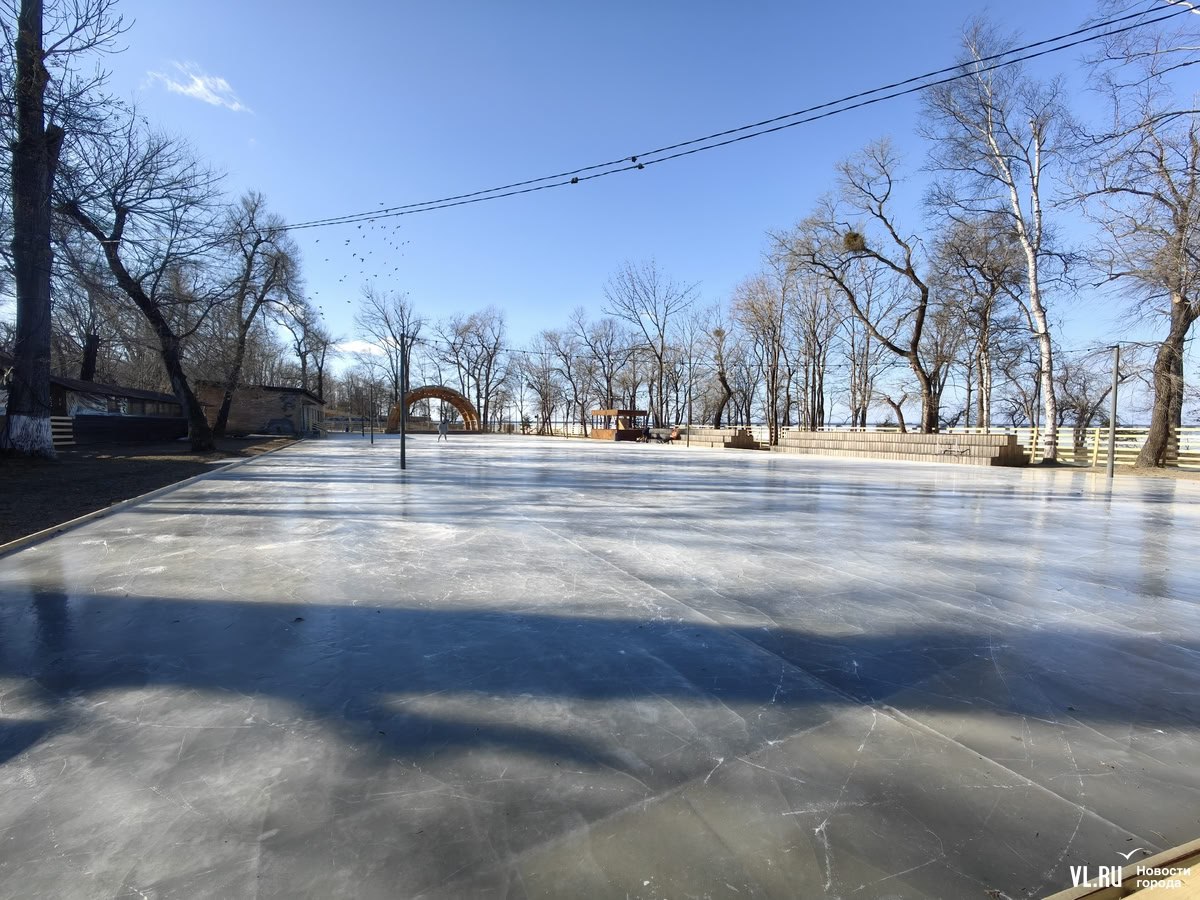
(370, 253)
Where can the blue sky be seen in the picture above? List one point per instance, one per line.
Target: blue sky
(337, 108)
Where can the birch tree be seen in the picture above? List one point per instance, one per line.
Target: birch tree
(994, 137)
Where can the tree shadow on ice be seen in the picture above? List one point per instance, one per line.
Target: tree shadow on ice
(415, 682)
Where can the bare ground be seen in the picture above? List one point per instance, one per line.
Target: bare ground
(39, 494)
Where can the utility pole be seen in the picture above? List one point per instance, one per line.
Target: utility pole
(403, 395)
(1037, 413)
(1112, 415)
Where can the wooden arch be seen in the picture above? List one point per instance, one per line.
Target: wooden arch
(465, 409)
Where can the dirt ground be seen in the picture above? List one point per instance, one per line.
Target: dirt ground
(38, 494)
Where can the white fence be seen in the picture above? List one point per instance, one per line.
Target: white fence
(1092, 448)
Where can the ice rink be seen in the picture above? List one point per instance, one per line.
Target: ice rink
(540, 667)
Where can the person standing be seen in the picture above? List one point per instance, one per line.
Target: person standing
(443, 431)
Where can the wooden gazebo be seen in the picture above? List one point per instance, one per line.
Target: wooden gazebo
(619, 424)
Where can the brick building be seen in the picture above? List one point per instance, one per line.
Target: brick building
(261, 409)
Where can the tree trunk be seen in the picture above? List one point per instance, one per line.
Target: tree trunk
(34, 161)
(818, 393)
(983, 363)
(929, 411)
(1037, 311)
(929, 400)
(222, 421)
(899, 411)
(727, 395)
(773, 405)
(231, 382)
(198, 429)
(91, 350)
(969, 387)
(1168, 388)
(169, 350)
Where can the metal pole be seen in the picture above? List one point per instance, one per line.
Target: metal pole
(1112, 415)
(403, 396)
(688, 439)
(1037, 413)
(373, 414)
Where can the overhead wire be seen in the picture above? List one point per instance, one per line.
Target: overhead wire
(752, 130)
(808, 115)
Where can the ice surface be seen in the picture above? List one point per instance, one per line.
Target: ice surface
(566, 668)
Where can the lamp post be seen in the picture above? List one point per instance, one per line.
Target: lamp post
(1112, 416)
(403, 396)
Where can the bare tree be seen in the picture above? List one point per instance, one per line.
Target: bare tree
(575, 369)
(474, 345)
(37, 129)
(489, 369)
(1142, 187)
(863, 355)
(311, 341)
(148, 205)
(638, 368)
(85, 309)
(1084, 385)
(833, 250)
(649, 301)
(692, 352)
(364, 388)
(264, 267)
(994, 135)
(540, 376)
(390, 322)
(816, 321)
(322, 350)
(608, 348)
(978, 266)
(719, 344)
(760, 305)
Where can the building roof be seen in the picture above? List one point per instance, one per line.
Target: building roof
(266, 387)
(112, 390)
(292, 390)
(95, 387)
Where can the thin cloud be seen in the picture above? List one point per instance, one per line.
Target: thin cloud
(194, 82)
(365, 347)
